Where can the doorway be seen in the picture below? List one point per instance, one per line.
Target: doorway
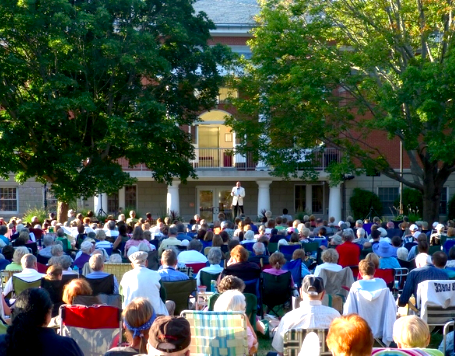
(214, 200)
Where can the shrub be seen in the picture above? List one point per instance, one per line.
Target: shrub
(412, 202)
(32, 212)
(361, 202)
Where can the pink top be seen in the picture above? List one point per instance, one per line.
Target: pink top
(275, 271)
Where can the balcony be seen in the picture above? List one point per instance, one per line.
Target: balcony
(226, 159)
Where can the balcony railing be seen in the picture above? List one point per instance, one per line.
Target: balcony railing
(226, 158)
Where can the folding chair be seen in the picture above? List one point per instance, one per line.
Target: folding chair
(248, 246)
(179, 292)
(272, 247)
(42, 259)
(275, 290)
(206, 278)
(113, 300)
(388, 275)
(436, 301)
(289, 250)
(293, 340)
(102, 285)
(19, 285)
(337, 283)
(94, 328)
(118, 269)
(446, 330)
(217, 333)
(6, 275)
(400, 275)
(294, 267)
(55, 290)
(196, 266)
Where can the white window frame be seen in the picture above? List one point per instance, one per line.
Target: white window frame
(17, 200)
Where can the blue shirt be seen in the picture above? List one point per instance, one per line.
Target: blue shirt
(5, 239)
(417, 276)
(388, 263)
(169, 274)
(98, 275)
(450, 242)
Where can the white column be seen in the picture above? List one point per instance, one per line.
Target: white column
(173, 196)
(309, 198)
(263, 201)
(334, 203)
(101, 202)
(122, 198)
(262, 166)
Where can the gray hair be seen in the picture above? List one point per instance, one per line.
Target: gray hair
(214, 255)
(115, 258)
(96, 262)
(196, 245)
(258, 247)
(144, 247)
(330, 256)
(180, 227)
(64, 261)
(56, 250)
(28, 261)
(361, 232)
(60, 232)
(48, 240)
(359, 222)
(402, 253)
(282, 242)
(24, 234)
(306, 218)
(173, 230)
(100, 234)
(20, 252)
(111, 225)
(86, 246)
(347, 234)
(230, 300)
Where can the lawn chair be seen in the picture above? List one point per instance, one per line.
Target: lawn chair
(118, 269)
(7, 274)
(94, 328)
(251, 306)
(436, 301)
(55, 290)
(275, 290)
(289, 250)
(217, 333)
(196, 266)
(293, 340)
(446, 330)
(19, 285)
(388, 275)
(206, 278)
(113, 300)
(179, 292)
(337, 283)
(248, 246)
(103, 285)
(400, 275)
(294, 267)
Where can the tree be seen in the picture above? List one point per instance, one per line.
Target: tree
(85, 83)
(337, 73)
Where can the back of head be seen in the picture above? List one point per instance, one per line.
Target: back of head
(60, 233)
(180, 228)
(347, 234)
(439, 259)
(373, 258)
(214, 255)
(258, 248)
(19, 252)
(423, 244)
(411, 332)
(230, 282)
(396, 241)
(28, 261)
(350, 335)
(239, 253)
(277, 260)
(366, 267)
(138, 318)
(173, 230)
(144, 247)
(111, 225)
(74, 288)
(137, 233)
(195, 245)
(230, 300)
(53, 272)
(86, 247)
(96, 262)
(32, 307)
(169, 336)
(100, 234)
(115, 258)
(169, 258)
(330, 256)
(375, 234)
(48, 240)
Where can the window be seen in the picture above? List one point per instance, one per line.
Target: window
(388, 195)
(443, 201)
(130, 197)
(318, 199)
(300, 198)
(51, 201)
(8, 199)
(225, 93)
(113, 203)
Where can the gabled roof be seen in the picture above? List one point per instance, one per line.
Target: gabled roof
(229, 11)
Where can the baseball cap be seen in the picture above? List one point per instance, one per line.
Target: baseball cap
(340, 223)
(413, 227)
(170, 334)
(312, 285)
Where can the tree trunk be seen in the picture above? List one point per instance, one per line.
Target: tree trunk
(62, 212)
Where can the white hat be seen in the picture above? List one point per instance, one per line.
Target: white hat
(132, 250)
(249, 235)
(382, 231)
(138, 257)
(340, 223)
(439, 226)
(185, 242)
(413, 227)
(435, 224)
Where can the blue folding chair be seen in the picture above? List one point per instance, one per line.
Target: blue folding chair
(249, 246)
(294, 267)
(289, 250)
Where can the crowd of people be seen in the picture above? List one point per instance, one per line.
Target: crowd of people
(238, 253)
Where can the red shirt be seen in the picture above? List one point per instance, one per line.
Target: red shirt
(349, 254)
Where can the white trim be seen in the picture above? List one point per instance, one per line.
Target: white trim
(216, 191)
(17, 200)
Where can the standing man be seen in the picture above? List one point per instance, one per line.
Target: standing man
(237, 202)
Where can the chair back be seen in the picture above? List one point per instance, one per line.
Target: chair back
(433, 249)
(179, 292)
(293, 340)
(196, 266)
(436, 300)
(249, 246)
(206, 278)
(276, 289)
(217, 333)
(7, 274)
(42, 259)
(311, 248)
(409, 245)
(67, 278)
(33, 247)
(94, 328)
(55, 290)
(20, 285)
(446, 330)
(118, 269)
(41, 268)
(337, 283)
(364, 252)
(289, 250)
(294, 267)
(252, 286)
(251, 307)
(103, 285)
(153, 260)
(400, 275)
(386, 274)
(113, 300)
(272, 247)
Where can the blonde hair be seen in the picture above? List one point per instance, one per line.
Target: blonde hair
(330, 256)
(373, 258)
(411, 332)
(230, 301)
(20, 252)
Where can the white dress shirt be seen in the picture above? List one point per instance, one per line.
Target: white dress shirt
(27, 274)
(310, 315)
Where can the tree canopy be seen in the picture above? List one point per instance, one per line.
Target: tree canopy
(85, 83)
(328, 73)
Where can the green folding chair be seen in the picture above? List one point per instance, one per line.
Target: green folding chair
(179, 292)
(20, 285)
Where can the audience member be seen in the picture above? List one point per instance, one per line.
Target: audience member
(171, 241)
(348, 252)
(28, 334)
(231, 282)
(169, 336)
(76, 287)
(330, 258)
(422, 258)
(29, 272)
(193, 254)
(214, 259)
(368, 282)
(168, 271)
(310, 315)
(259, 254)
(350, 335)
(385, 252)
(97, 264)
(239, 266)
(19, 252)
(86, 250)
(48, 241)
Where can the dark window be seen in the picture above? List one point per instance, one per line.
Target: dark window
(387, 195)
(8, 199)
(318, 199)
(130, 197)
(443, 201)
(300, 198)
(113, 203)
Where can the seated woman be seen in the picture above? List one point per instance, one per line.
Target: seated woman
(121, 240)
(368, 282)
(214, 259)
(234, 300)
(137, 238)
(350, 335)
(28, 334)
(19, 252)
(330, 258)
(276, 261)
(239, 266)
(385, 252)
(422, 258)
(52, 282)
(138, 318)
(300, 255)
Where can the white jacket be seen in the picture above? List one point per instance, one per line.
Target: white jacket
(435, 293)
(238, 194)
(378, 308)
